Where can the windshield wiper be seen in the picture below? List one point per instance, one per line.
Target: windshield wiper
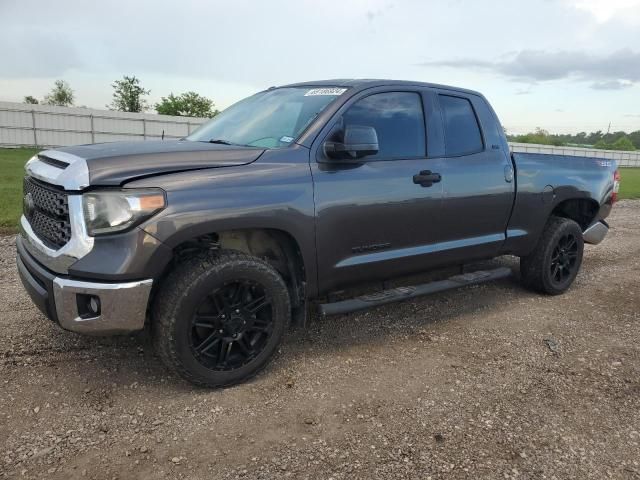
(220, 141)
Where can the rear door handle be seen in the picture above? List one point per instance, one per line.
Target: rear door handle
(426, 178)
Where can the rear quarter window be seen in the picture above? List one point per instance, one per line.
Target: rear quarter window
(461, 129)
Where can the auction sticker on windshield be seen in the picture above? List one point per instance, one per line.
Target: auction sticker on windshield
(325, 91)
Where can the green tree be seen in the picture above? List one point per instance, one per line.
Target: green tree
(189, 104)
(128, 95)
(621, 143)
(60, 95)
(635, 138)
(596, 139)
(31, 100)
(540, 136)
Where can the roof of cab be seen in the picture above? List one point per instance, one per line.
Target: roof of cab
(362, 83)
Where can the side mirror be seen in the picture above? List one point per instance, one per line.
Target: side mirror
(359, 141)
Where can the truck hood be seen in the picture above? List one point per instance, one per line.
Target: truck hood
(119, 162)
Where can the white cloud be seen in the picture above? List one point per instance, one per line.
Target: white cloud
(604, 10)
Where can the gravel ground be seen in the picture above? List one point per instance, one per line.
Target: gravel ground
(484, 382)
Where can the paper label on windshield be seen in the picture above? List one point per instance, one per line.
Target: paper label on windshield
(286, 139)
(325, 91)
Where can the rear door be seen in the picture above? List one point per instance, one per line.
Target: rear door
(477, 179)
(372, 220)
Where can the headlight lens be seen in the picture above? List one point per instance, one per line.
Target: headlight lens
(111, 211)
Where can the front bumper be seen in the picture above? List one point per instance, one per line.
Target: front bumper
(121, 307)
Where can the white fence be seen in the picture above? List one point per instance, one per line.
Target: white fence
(623, 159)
(48, 126)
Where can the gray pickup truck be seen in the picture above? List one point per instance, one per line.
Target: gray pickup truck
(217, 242)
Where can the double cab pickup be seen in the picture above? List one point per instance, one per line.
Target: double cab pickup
(218, 241)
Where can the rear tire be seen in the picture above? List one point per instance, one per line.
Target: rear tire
(554, 263)
(219, 316)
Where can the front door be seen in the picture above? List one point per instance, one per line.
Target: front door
(372, 221)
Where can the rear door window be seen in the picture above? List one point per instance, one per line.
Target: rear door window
(461, 129)
(398, 120)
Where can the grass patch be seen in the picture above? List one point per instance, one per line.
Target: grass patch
(12, 162)
(630, 183)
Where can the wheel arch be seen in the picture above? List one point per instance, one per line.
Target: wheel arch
(581, 210)
(278, 247)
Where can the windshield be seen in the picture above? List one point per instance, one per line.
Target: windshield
(269, 119)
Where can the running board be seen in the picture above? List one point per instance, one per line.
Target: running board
(403, 293)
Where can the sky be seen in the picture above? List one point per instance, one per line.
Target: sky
(562, 65)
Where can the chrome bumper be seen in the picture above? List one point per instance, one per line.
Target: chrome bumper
(596, 232)
(123, 306)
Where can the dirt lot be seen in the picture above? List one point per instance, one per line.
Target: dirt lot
(484, 382)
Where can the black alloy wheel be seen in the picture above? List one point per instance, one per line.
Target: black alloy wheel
(219, 317)
(555, 261)
(564, 259)
(232, 325)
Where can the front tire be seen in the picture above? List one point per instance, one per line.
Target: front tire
(219, 317)
(554, 263)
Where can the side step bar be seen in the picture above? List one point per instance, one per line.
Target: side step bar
(403, 293)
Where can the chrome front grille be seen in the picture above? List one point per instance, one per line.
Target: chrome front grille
(46, 208)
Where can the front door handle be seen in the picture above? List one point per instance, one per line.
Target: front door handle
(426, 178)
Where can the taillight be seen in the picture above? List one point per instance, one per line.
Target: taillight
(616, 187)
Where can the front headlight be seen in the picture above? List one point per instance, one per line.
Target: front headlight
(111, 211)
